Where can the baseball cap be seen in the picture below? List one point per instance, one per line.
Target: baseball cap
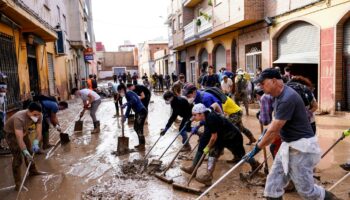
(199, 108)
(269, 73)
(188, 88)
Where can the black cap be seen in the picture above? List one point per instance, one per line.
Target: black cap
(268, 73)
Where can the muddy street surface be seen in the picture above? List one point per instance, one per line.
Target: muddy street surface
(86, 168)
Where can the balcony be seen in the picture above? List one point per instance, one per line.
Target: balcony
(190, 31)
(206, 23)
(171, 41)
(190, 3)
(178, 38)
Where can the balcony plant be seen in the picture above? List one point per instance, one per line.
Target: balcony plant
(198, 22)
(210, 2)
(205, 16)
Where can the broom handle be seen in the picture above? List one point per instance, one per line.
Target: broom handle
(25, 177)
(330, 148)
(122, 122)
(178, 152)
(196, 168)
(341, 180)
(152, 148)
(183, 128)
(221, 178)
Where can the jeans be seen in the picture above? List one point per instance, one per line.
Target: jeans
(301, 166)
(93, 109)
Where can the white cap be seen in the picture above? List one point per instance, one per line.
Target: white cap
(199, 108)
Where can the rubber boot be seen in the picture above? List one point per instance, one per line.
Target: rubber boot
(17, 175)
(207, 177)
(189, 169)
(330, 196)
(250, 136)
(96, 127)
(141, 146)
(46, 143)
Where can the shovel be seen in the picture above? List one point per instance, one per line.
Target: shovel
(78, 126)
(162, 176)
(64, 138)
(148, 153)
(25, 177)
(158, 162)
(123, 142)
(187, 187)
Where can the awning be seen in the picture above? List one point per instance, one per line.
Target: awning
(299, 58)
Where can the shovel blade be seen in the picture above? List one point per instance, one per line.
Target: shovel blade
(186, 188)
(123, 145)
(64, 138)
(78, 127)
(163, 178)
(156, 163)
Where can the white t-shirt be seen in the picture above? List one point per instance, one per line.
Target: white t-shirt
(85, 92)
(226, 87)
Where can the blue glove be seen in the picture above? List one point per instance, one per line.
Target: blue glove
(26, 154)
(124, 105)
(195, 129)
(35, 146)
(251, 154)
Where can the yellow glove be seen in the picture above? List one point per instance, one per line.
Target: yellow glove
(346, 133)
(206, 150)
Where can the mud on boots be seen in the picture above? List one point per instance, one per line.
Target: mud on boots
(134, 103)
(234, 113)
(91, 101)
(17, 130)
(180, 107)
(299, 152)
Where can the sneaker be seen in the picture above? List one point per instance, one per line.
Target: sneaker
(188, 169)
(140, 147)
(345, 166)
(186, 148)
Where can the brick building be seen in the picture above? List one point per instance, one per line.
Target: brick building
(311, 36)
(146, 55)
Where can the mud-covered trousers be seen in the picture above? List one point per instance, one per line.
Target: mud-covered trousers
(140, 118)
(93, 109)
(301, 166)
(17, 156)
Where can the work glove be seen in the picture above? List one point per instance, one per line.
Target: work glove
(346, 133)
(206, 150)
(163, 131)
(251, 154)
(26, 154)
(35, 146)
(58, 128)
(194, 130)
(124, 105)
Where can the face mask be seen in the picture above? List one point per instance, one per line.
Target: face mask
(167, 102)
(35, 119)
(190, 100)
(2, 94)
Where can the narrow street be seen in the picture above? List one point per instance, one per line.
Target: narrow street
(86, 169)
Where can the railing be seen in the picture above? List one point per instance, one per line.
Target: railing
(190, 30)
(205, 24)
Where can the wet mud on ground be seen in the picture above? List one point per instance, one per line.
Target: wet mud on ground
(86, 168)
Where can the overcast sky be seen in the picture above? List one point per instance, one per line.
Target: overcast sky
(134, 20)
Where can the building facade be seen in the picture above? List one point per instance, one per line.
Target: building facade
(311, 37)
(146, 53)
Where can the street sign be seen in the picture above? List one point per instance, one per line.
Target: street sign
(89, 57)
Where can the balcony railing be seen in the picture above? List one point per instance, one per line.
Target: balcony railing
(205, 25)
(190, 31)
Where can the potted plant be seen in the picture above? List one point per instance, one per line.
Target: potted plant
(210, 2)
(198, 22)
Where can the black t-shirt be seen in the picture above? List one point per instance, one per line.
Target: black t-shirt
(216, 123)
(289, 106)
(140, 88)
(180, 107)
(211, 81)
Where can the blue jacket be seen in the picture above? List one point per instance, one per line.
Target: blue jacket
(134, 103)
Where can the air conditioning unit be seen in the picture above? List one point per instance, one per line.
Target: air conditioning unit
(60, 43)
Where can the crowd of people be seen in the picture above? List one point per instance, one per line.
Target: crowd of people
(287, 105)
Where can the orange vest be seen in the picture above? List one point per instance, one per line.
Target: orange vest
(89, 83)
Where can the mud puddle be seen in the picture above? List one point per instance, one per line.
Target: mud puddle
(106, 191)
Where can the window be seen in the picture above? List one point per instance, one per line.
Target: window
(180, 22)
(253, 58)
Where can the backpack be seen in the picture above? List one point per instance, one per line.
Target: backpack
(241, 84)
(217, 93)
(94, 84)
(304, 92)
